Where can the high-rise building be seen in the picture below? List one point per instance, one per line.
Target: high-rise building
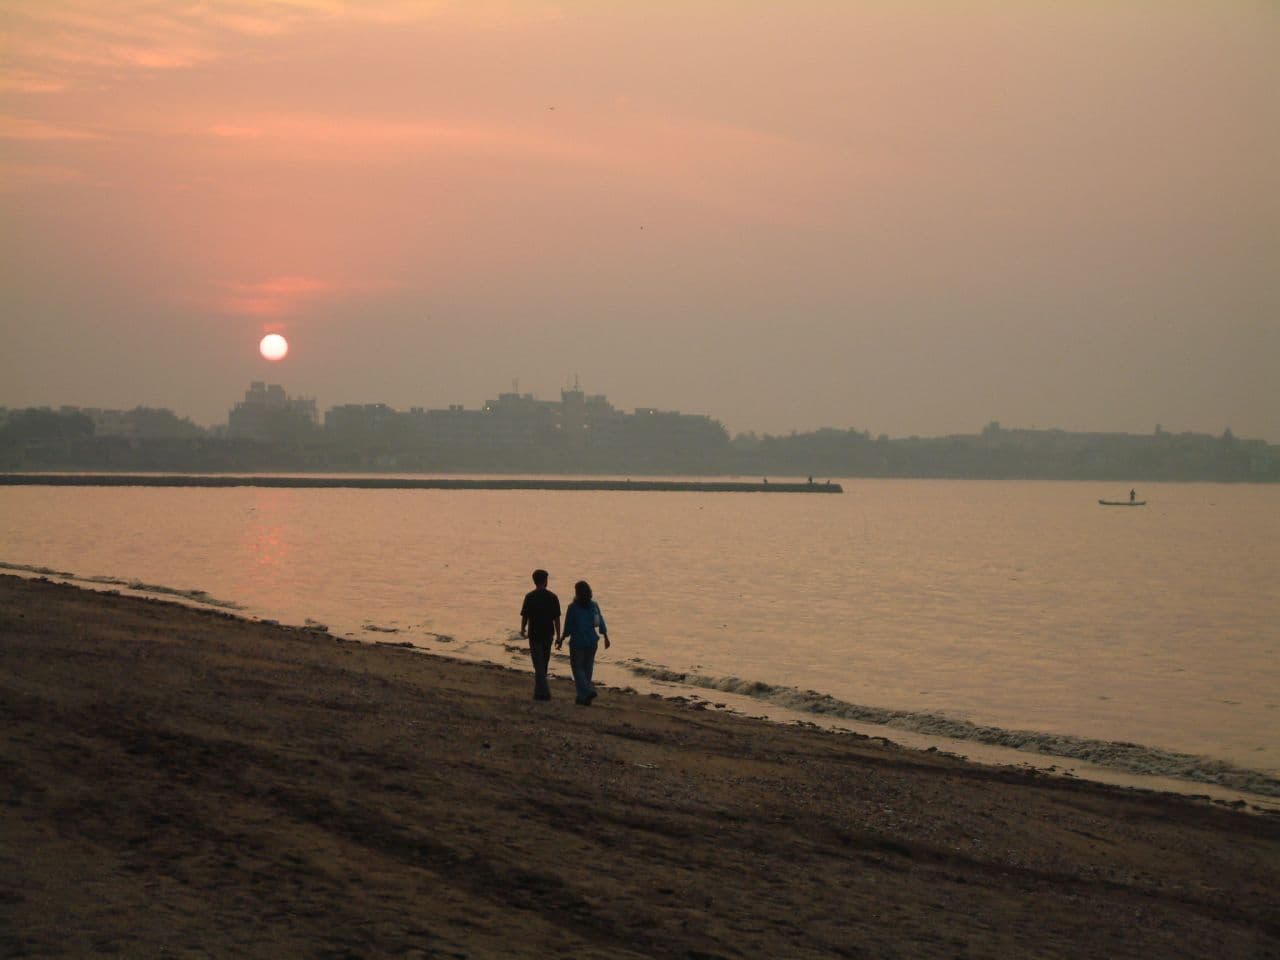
(268, 413)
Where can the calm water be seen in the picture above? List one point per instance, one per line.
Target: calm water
(1021, 606)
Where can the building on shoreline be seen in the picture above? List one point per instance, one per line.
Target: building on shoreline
(577, 422)
(268, 413)
(582, 433)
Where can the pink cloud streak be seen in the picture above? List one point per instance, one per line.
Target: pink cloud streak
(274, 297)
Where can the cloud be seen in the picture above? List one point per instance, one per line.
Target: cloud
(16, 128)
(474, 13)
(274, 297)
(15, 176)
(21, 80)
(235, 131)
(61, 39)
(54, 44)
(744, 173)
(352, 134)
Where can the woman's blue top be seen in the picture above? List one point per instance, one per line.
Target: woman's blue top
(581, 623)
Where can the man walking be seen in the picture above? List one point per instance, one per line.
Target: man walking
(540, 622)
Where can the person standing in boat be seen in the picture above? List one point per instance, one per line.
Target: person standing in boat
(581, 621)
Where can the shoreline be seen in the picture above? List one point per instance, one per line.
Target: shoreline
(185, 779)
(1212, 780)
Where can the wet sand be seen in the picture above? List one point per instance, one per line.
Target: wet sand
(179, 782)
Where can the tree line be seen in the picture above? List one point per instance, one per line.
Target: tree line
(42, 439)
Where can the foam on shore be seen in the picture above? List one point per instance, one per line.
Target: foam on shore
(1119, 755)
(191, 595)
(1131, 758)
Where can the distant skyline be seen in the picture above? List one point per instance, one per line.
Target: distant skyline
(904, 217)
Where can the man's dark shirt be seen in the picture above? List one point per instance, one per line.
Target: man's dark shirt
(542, 607)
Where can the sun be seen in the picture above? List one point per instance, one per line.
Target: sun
(273, 347)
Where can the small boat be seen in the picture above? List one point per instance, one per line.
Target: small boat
(1123, 503)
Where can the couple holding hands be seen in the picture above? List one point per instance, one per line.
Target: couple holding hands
(540, 622)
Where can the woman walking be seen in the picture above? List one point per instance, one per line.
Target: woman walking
(581, 621)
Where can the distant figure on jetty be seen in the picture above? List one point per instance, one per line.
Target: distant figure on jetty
(1133, 495)
(540, 622)
(581, 621)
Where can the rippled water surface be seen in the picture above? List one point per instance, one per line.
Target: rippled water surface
(1018, 605)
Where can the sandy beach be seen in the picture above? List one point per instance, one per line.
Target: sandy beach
(179, 782)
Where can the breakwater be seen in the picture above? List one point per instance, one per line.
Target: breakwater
(406, 483)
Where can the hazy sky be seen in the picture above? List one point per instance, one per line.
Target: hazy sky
(906, 217)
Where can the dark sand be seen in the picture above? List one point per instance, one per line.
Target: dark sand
(176, 782)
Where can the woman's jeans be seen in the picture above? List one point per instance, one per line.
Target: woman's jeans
(583, 661)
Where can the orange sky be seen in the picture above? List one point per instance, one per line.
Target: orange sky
(907, 217)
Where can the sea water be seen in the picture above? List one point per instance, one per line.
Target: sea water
(1145, 638)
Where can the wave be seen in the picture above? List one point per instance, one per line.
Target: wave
(1119, 755)
(195, 596)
